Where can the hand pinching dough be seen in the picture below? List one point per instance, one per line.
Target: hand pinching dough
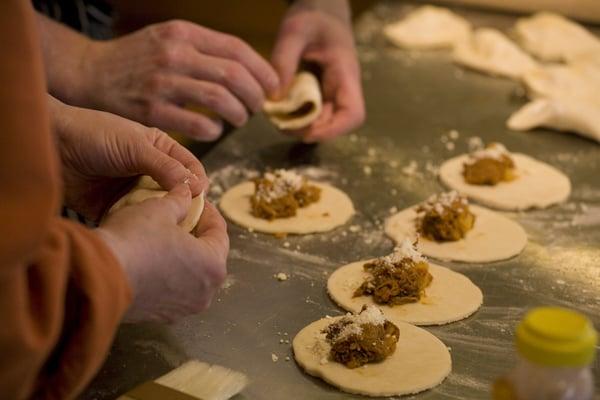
(148, 188)
(419, 362)
(285, 202)
(533, 184)
(491, 52)
(428, 27)
(301, 106)
(449, 297)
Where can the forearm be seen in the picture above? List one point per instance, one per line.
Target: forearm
(64, 52)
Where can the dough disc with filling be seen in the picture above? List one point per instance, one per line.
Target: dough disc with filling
(333, 209)
(420, 362)
(148, 188)
(538, 185)
(450, 296)
(301, 106)
(493, 237)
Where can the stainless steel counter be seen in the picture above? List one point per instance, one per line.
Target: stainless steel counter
(413, 100)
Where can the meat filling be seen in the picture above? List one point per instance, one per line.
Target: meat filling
(280, 194)
(445, 218)
(395, 283)
(357, 341)
(489, 166)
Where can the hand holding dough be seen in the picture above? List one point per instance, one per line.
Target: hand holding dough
(300, 108)
(490, 51)
(428, 27)
(148, 188)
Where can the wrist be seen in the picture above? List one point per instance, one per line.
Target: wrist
(114, 244)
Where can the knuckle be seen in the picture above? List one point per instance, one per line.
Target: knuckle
(151, 111)
(214, 96)
(235, 44)
(232, 72)
(169, 55)
(174, 29)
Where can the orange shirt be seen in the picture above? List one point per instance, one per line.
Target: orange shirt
(62, 291)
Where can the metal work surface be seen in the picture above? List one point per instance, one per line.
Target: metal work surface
(413, 101)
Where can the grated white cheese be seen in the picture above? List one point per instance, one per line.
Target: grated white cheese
(406, 249)
(494, 151)
(284, 181)
(442, 202)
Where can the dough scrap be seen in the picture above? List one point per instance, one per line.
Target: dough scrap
(428, 27)
(493, 237)
(538, 185)
(148, 188)
(552, 37)
(450, 296)
(300, 108)
(420, 362)
(333, 209)
(490, 51)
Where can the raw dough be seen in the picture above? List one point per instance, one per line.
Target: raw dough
(301, 106)
(552, 37)
(493, 237)
(565, 98)
(573, 114)
(490, 51)
(538, 185)
(420, 362)
(428, 27)
(450, 296)
(148, 188)
(333, 209)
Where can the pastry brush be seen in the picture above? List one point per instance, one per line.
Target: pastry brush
(193, 380)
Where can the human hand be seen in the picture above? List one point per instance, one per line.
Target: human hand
(171, 273)
(320, 32)
(103, 154)
(152, 74)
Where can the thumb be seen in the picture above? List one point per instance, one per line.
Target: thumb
(286, 58)
(166, 170)
(176, 203)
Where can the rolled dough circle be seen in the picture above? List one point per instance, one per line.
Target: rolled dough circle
(494, 237)
(301, 106)
(333, 209)
(538, 185)
(148, 188)
(420, 362)
(450, 296)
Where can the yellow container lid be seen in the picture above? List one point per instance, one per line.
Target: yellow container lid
(556, 337)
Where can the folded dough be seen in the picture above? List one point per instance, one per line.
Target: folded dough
(148, 188)
(552, 37)
(428, 27)
(490, 51)
(301, 106)
(565, 98)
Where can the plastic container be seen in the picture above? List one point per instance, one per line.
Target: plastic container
(556, 348)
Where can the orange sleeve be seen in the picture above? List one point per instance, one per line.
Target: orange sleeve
(62, 291)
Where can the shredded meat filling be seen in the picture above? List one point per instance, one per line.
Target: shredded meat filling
(492, 166)
(395, 283)
(445, 223)
(284, 205)
(372, 343)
